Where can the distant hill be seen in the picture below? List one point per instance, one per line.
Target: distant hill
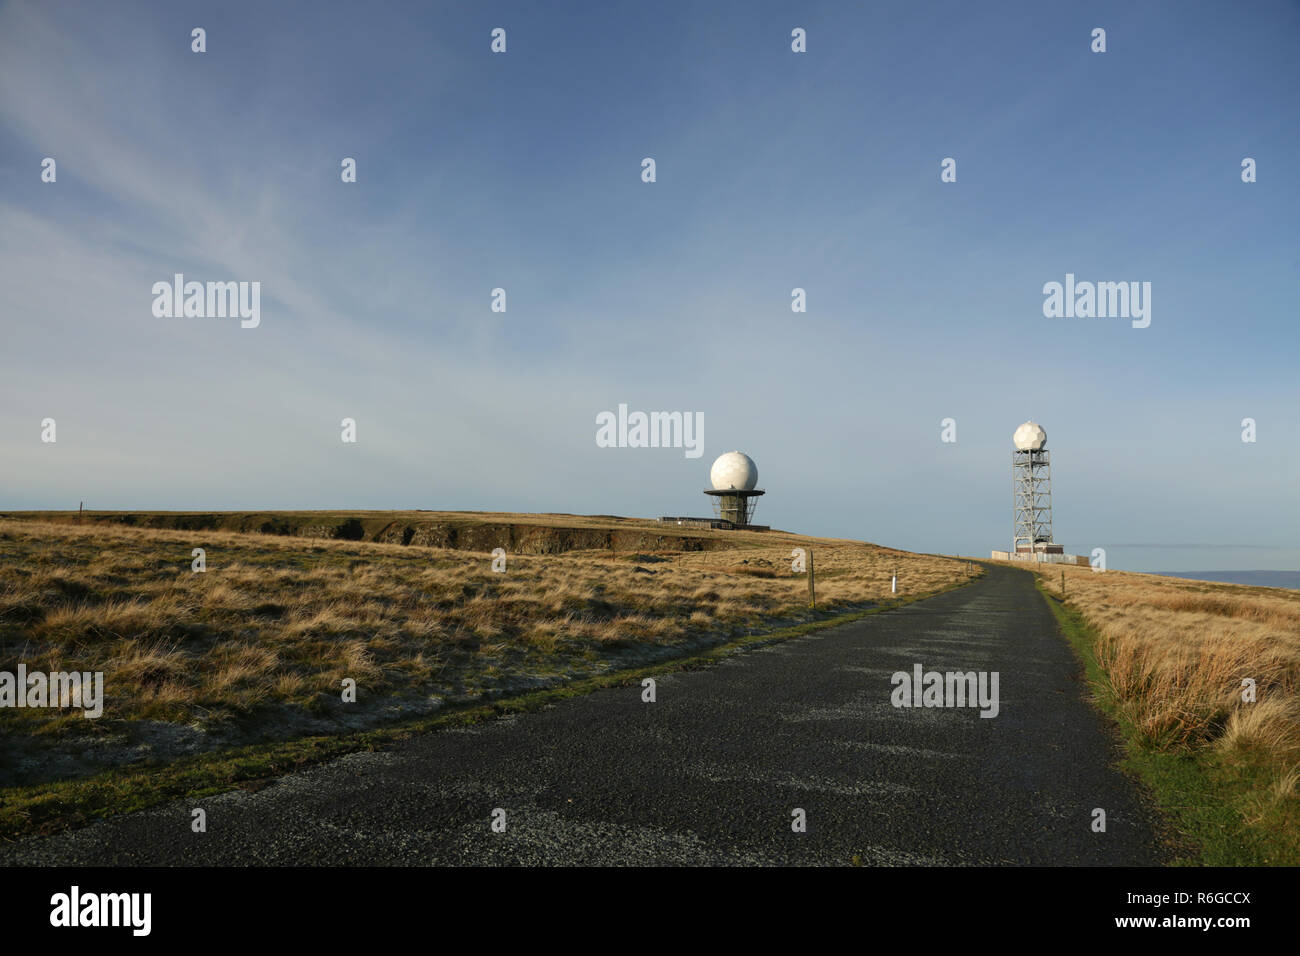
(1259, 579)
(458, 530)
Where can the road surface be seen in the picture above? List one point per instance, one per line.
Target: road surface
(713, 771)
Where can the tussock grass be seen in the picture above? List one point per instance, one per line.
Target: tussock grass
(275, 624)
(1174, 654)
(51, 806)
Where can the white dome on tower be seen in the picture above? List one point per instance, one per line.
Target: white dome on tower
(1030, 437)
(734, 471)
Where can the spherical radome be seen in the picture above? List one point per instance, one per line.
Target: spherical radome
(734, 471)
(1030, 437)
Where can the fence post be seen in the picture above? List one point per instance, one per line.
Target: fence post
(812, 592)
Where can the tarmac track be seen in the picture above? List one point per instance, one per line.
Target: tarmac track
(711, 772)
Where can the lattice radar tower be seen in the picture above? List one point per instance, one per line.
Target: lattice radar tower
(1031, 490)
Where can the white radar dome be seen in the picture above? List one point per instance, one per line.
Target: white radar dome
(734, 471)
(1030, 437)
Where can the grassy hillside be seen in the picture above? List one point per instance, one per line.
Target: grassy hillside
(256, 647)
(457, 530)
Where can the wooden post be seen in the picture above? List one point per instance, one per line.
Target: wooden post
(80, 508)
(1062, 582)
(812, 587)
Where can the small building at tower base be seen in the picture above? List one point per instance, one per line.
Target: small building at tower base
(1042, 554)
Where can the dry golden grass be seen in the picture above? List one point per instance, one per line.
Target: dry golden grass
(1177, 652)
(281, 621)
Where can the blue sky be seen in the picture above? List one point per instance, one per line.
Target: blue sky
(775, 170)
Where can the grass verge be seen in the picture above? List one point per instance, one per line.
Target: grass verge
(1206, 800)
(61, 805)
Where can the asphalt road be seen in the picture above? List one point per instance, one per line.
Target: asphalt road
(712, 771)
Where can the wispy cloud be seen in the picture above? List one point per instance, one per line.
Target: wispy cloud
(522, 172)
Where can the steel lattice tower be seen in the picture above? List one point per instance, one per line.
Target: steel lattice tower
(1031, 490)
